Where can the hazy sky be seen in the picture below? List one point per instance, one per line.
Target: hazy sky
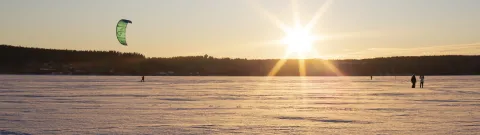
(237, 28)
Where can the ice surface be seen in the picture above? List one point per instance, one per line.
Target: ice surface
(238, 105)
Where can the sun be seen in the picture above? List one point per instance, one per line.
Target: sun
(298, 40)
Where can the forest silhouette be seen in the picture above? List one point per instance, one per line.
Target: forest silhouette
(26, 60)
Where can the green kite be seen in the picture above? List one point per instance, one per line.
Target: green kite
(121, 31)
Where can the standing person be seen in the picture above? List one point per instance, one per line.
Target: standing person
(143, 79)
(371, 77)
(422, 79)
(414, 80)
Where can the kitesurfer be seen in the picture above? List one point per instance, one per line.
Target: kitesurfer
(414, 80)
(422, 78)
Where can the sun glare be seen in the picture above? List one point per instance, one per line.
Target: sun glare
(298, 38)
(298, 41)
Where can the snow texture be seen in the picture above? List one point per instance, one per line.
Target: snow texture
(238, 105)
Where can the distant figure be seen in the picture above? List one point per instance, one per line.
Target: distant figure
(143, 79)
(414, 80)
(371, 77)
(422, 79)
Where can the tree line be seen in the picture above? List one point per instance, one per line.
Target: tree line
(25, 60)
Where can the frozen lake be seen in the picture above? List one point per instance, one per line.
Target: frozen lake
(238, 105)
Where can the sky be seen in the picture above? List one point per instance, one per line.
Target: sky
(243, 29)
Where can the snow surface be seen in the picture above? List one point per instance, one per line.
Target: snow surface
(238, 105)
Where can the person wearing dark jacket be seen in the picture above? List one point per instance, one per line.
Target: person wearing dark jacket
(414, 81)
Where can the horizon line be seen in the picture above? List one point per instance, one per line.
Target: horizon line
(365, 58)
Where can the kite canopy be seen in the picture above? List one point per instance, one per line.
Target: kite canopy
(121, 31)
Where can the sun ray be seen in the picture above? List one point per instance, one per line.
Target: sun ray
(296, 16)
(298, 38)
(271, 17)
(278, 65)
(319, 37)
(318, 14)
(333, 68)
(301, 67)
(263, 43)
(359, 34)
(329, 65)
